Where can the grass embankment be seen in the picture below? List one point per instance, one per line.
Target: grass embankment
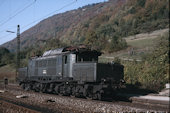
(136, 50)
(138, 46)
(7, 71)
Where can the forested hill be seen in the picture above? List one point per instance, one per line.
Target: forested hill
(101, 26)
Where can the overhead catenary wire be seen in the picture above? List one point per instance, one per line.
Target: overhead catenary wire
(12, 27)
(20, 11)
(67, 5)
(16, 11)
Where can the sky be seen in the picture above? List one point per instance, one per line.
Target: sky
(28, 13)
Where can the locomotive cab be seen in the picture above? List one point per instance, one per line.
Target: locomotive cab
(87, 56)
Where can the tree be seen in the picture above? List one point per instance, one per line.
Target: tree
(153, 73)
(141, 3)
(91, 39)
(5, 56)
(117, 43)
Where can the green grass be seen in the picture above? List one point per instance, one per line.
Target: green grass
(142, 43)
(7, 71)
(104, 60)
(140, 47)
(144, 40)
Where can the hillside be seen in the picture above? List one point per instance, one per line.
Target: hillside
(139, 45)
(101, 26)
(58, 25)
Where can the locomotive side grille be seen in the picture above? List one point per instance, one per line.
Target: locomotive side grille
(40, 63)
(44, 63)
(54, 62)
(36, 64)
(51, 62)
(36, 72)
(51, 71)
(51, 67)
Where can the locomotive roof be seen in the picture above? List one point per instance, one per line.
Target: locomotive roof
(53, 52)
(71, 49)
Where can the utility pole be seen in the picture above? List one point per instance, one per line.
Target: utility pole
(18, 51)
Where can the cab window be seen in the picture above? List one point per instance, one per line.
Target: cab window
(86, 58)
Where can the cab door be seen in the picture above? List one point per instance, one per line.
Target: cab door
(65, 66)
(59, 66)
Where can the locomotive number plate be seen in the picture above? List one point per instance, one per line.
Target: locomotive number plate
(44, 71)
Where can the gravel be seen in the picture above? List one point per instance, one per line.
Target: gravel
(6, 107)
(57, 103)
(80, 105)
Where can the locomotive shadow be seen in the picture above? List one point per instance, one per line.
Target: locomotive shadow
(125, 94)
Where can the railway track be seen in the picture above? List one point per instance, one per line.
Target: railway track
(50, 103)
(8, 107)
(18, 106)
(12, 97)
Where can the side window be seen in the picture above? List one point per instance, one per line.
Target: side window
(65, 59)
(54, 61)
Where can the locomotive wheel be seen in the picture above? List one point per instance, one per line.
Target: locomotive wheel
(35, 87)
(49, 88)
(89, 98)
(73, 96)
(27, 87)
(73, 91)
(99, 96)
(94, 96)
(56, 90)
(43, 88)
(23, 86)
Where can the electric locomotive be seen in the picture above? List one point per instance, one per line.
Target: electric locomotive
(72, 71)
